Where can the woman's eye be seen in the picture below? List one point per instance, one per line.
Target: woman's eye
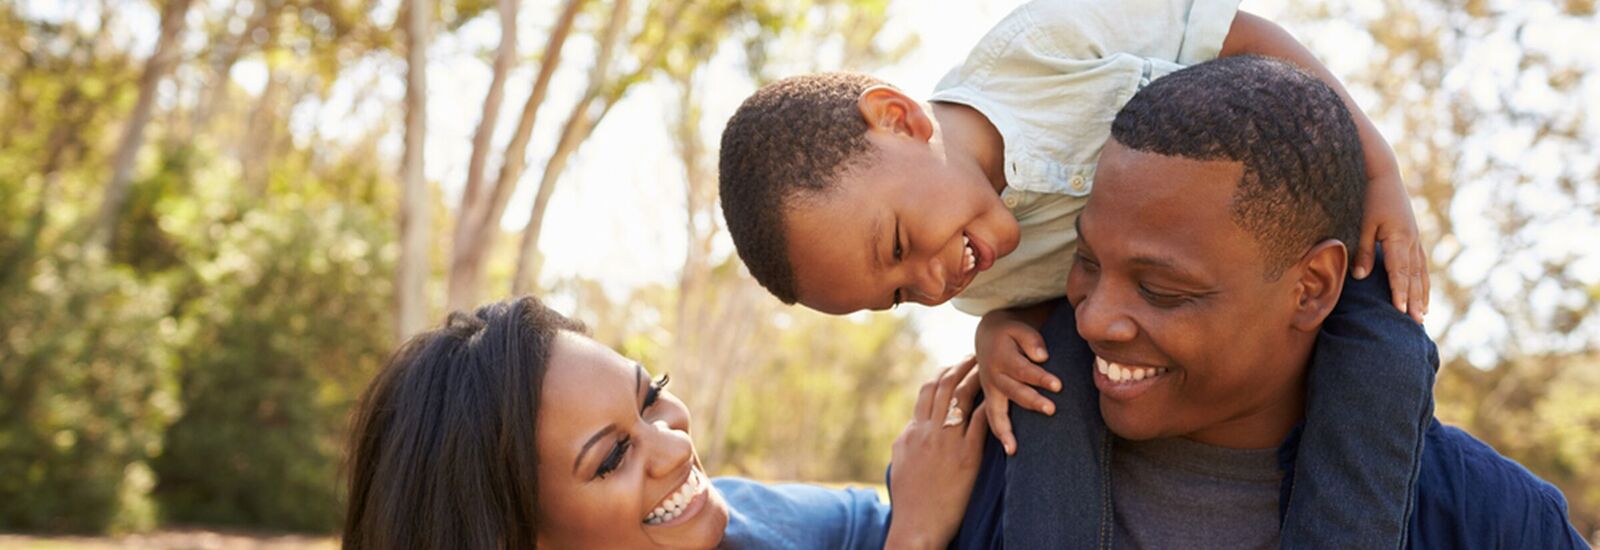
(654, 394)
(613, 460)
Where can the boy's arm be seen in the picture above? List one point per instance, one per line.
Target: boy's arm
(1388, 211)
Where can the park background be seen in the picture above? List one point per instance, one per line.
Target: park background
(218, 216)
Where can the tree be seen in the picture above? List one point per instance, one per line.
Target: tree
(478, 221)
(157, 67)
(415, 223)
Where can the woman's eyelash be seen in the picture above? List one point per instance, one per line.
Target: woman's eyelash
(614, 459)
(656, 387)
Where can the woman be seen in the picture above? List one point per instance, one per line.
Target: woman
(509, 428)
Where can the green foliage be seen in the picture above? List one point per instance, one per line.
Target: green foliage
(85, 393)
(289, 320)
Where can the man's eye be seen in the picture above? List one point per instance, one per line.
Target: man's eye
(899, 252)
(1162, 299)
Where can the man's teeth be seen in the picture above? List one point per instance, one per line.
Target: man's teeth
(669, 508)
(972, 255)
(1123, 373)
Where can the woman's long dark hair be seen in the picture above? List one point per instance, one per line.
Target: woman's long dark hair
(442, 449)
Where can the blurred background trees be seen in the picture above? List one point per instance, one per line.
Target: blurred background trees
(216, 216)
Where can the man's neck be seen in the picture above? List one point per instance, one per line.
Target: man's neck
(1269, 421)
(969, 138)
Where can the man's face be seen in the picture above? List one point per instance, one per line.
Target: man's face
(1169, 291)
(907, 225)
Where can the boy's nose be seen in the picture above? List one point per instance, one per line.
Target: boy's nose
(930, 281)
(671, 450)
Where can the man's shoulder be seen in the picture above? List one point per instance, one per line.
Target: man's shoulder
(1469, 495)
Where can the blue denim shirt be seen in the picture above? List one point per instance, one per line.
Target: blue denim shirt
(1467, 497)
(801, 517)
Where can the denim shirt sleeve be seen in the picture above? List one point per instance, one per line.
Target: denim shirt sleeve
(797, 516)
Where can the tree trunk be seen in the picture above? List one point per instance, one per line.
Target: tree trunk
(577, 128)
(463, 289)
(414, 213)
(156, 68)
(481, 208)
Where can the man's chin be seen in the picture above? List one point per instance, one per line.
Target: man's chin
(1130, 425)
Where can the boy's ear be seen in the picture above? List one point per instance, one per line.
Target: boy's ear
(1321, 272)
(887, 109)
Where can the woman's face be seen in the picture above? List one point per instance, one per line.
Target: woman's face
(616, 466)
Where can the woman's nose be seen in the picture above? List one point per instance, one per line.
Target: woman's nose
(671, 450)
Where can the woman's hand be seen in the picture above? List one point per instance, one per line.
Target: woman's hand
(936, 460)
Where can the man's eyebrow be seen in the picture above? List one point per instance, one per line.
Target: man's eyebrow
(592, 440)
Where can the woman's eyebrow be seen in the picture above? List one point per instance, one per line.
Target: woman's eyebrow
(592, 440)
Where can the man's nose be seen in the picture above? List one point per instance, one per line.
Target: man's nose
(670, 450)
(1103, 318)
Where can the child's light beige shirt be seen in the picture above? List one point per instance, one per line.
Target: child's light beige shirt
(1051, 77)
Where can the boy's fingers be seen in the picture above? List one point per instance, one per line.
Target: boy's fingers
(1399, 266)
(1427, 285)
(1025, 396)
(1364, 252)
(1036, 376)
(1000, 423)
(1031, 343)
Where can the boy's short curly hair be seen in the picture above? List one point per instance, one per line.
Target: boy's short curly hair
(792, 138)
(1304, 173)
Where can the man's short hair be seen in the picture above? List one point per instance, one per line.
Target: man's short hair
(793, 137)
(1304, 174)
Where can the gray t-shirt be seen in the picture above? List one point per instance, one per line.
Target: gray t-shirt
(1176, 493)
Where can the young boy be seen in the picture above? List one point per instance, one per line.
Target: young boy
(843, 193)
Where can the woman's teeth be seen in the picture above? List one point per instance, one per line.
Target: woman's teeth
(1123, 373)
(669, 507)
(971, 255)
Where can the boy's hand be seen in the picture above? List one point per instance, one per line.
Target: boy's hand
(1008, 350)
(935, 461)
(1389, 220)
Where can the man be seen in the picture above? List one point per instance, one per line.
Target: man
(1213, 248)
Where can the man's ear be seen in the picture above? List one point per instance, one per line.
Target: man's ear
(1321, 273)
(887, 109)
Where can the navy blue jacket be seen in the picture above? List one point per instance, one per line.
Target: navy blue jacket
(1468, 496)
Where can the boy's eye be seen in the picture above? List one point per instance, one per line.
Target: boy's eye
(1087, 263)
(895, 301)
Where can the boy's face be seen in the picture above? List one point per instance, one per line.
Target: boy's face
(1168, 288)
(908, 225)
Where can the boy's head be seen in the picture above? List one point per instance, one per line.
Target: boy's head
(1213, 246)
(841, 195)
